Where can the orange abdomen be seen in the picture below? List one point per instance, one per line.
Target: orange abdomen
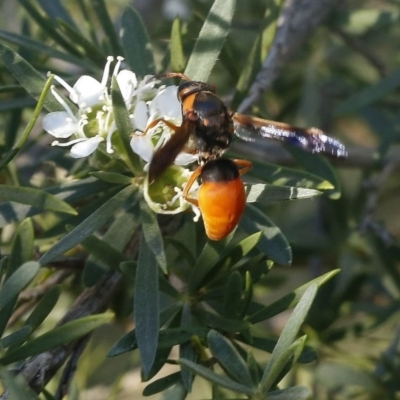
(222, 205)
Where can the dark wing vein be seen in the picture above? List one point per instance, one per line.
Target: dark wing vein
(312, 139)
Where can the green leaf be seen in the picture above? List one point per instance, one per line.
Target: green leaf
(16, 386)
(103, 252)
(211, 38)
(254, 368)
(152, 234)
(320, 166)
(18, 281)
(127, 343)
(282, 176)
(107, 253)
(57, 337)
(35, 197)
(173, 336)
(6, 314)
(112, 177)
(187, 350)
(162, 384)
(266, 344)
(146, 306)
(167, 288)
(217, 379)
(224, 324)
(23, 138)
(17, 103)
(16, 338)
(66, 223)
(249, 72)
(49, 26)
(248, 294)
(89, 225)
(205, 263)
(104, 18)
(226, 354)
(162, 356)
(176, 47)
(124, 129)
(136, 43)
(232, 295)
(129, 269)
(229, 258)
(271, 193)
(258, 52)
(282, 362)
(79, 189)
(182, 249)
(44, 307)
(21, 252)
(22, 246)
(292, 393)
(273, 243)
(287, 337)
(290, 299)
(71, 192)
(91, 51)
(29, 78)
(371, 94)
(242, 249)
(178, 392)
(40, 47)
(55, 10)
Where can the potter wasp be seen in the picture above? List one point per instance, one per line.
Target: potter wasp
(207, 129)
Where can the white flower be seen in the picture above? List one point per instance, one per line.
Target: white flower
(156, 120)
(94, 120)
(165, 194)
(155, 115)
(152, 132)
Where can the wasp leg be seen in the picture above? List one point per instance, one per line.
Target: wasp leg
(166, 154)
(168, 75)
(154, 123)
(188, 186)
(244, 164)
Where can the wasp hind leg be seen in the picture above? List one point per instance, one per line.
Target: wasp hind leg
(154, 123)
(189, 185)
(244, 165)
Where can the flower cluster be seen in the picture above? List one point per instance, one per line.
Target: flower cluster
(91, 122)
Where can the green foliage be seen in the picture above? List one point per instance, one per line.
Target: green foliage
(85, 259)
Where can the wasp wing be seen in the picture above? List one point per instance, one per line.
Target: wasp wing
(314, 140)
(166, 155)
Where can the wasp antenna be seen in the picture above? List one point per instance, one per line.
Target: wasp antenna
(168, 75)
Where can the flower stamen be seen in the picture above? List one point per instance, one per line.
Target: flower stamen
(66, 144)
(63, 103)
(108, 141)
(63, 83)
(81, 123)
(118, 65)
(106, 72)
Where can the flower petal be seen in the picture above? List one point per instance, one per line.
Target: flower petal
(185, 158)
(166, 105)
(86, 148)
(59, 124)
(127, 82)
(89, 91)
(141, 115)
(143, 147)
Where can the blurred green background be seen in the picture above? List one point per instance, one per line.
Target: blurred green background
(344, 79)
